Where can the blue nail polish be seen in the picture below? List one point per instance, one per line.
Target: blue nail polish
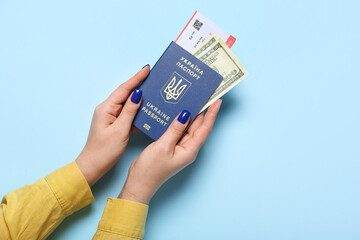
(145, 66)
(184, 116)
(135, 98)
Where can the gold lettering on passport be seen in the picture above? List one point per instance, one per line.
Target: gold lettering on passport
(192, 69)
(155, 113)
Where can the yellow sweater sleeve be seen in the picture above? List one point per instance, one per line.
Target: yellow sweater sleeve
(122, 220)
(35, 210)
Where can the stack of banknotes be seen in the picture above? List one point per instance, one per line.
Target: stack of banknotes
(211, 44)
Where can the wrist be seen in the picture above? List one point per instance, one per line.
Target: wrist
(133, 196)
(91, 172)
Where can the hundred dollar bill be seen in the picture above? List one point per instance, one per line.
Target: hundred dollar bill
(217, 55)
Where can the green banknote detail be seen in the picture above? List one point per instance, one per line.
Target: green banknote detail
(217, 55)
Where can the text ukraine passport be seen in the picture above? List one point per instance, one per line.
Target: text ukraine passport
(177, 81)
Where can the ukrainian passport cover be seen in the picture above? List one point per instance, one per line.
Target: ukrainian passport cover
(177, 81)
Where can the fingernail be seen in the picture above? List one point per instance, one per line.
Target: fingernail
(145, 66)
(135, 98)
(184, 116)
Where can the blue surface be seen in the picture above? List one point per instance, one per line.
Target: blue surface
(283, 159)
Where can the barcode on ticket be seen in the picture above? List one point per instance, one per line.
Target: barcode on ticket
(197, 24)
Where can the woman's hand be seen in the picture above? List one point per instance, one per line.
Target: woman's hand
(165, 157)
(110, 129)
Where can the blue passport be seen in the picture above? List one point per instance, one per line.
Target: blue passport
(177, 81)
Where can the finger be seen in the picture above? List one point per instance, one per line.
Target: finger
(120, 95)
(195, 123)
(201, 134)
(127, 115)
(175, 130)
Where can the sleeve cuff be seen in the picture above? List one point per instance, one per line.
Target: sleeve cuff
(70, 188)
(124, 217)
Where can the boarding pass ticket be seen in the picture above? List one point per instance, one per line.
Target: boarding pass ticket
(198, 29)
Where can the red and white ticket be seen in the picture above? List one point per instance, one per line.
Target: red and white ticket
(198, 29)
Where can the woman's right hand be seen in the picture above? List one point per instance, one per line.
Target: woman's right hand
(165, 157)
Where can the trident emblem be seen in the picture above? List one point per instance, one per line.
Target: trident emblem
(174, 89)
(171, 91)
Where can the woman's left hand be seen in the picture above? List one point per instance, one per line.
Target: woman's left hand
(110, 129)
(165, 157)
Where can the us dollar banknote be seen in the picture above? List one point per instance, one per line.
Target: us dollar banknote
(217, 55)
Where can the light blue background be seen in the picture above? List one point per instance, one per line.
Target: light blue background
(283, 159)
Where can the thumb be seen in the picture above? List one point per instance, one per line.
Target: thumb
(176, 129)
(127, 115)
